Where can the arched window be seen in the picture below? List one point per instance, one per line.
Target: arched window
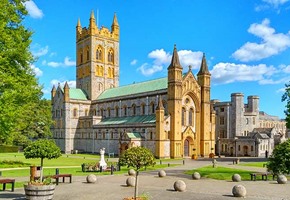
(133, 109)
(109, 112)
(111, 56)
(75, 112)
(183, 117)
(109, 72)
(99, 53)
(81, 58)
(102, 112)
(117, 111)
(86, 112)
(88, 53)
(143, 109)
(152, 108)
(190, 117)
(125, 110)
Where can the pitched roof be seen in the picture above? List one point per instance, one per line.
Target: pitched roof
(136, 88)
(76, 93)
(144, 119)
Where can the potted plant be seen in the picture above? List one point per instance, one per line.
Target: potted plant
(42, 188)
(137, 157)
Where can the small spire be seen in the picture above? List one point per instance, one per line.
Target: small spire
(79, 23)
(189, 68)
(66, 85)
(175, 59)
(53, 88)
(92, 15)
(115, 21)
(160, 104)
(203, 66)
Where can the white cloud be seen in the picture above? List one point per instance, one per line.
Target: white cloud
(67, 63)
(275, 3)
(281, 90)
(36, 71)
(271, 43)
(38, 51)
(55, 82)
(272, 82)
(223, 73)
(285, 69)
(133, 62)
(148, 70)
(162, 59)
(33, 10)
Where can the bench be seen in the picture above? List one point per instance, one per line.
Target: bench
(264, 175)
(11, 181)
(63, 176)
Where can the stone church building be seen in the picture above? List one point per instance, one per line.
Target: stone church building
(173, 116)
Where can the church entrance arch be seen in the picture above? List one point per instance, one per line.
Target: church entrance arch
(188, 146)
(245, 150)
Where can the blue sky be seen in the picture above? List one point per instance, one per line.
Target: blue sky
(246, 42)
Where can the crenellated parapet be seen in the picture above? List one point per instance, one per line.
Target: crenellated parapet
(93, 30)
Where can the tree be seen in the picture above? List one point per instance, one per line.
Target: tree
(279, 161)
(42, 148)
(286, 97)
(137, 157)
(20, 93)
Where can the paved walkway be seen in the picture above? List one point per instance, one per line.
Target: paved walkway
(114, 187)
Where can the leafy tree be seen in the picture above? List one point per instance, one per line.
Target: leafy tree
(137, 157)
(42, 148)
(279, 161)
(20, 93)
(286, 97)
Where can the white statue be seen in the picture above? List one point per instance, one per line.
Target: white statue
(102, 162)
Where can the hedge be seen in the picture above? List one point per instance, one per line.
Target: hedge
(8, 149)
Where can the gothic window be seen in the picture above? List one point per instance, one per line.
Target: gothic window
(143, 109)
(102, 112)
(75, 112)
(88, 53)
(151, 136)
(247, 120)
(109, 112)
(86, 112)
(112, 135)
(109, 72)
(125, 110)
(222, 109)
(99, 53)
(133, 109)
(111, 56)
(152, 108)
(117, 111)
(81, 58)
(183, 117)
(252, 148)
(104, 135)
(190, 117)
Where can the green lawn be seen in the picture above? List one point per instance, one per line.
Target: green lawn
(254, 164)
(221, 173)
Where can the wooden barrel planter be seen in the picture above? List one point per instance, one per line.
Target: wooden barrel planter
(39, 192)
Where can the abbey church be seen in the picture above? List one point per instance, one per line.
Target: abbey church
(172, 116)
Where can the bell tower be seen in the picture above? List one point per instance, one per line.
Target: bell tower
(97, 53)
(174, 105)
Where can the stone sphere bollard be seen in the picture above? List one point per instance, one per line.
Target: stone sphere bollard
(196, 176)
(161, 173)
(132, 172)
(179, 186)
(239, 191)
(130, 182)
(91, 178)
(236, 178)
(281, 179)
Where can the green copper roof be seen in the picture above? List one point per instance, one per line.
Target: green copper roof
(133, 135)
(136, 88)
(76, 93)
(144, 119)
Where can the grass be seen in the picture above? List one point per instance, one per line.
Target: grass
(221, 173)
(254, 164)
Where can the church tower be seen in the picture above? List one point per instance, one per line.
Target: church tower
(203, 78)
(175, 105)
(97, 67)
